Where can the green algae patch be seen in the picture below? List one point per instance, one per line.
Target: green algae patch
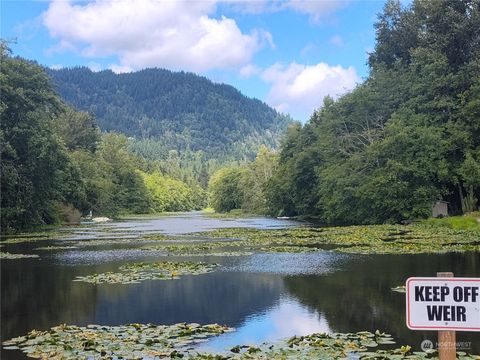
(138, 272)
(9, 256)
(371, 239)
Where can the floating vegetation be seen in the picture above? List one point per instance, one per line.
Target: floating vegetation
(9, 256)
(226, 248)
(106, 241)
(56, 248)
(212, 248)
(168, 267)
(25, 238)
(372, 239)
(318, 346)
(134, 341)
(155, 237)
(287, 249)
(138, 272)
(219, 254)
(137, 341)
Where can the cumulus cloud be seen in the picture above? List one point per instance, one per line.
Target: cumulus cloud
(148, 33)
(299, 89)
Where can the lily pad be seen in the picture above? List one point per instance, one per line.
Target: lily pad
(133, 341)
(56, 248)
(138, 272)
(137, 341)
(9, 256)
(372, 239)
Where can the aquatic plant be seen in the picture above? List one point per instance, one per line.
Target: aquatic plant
(137, 341)
(138, 272)
(134, 341)
(373, 239)
(9, 256)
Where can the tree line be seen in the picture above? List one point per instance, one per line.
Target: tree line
(409, 135)
(55, 162)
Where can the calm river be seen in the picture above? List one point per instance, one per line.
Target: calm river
(264, 296)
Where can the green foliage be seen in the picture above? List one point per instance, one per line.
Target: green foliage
(469, 172)
(77, 129)
(466, 222)
(243, 187)
(167, 194)
(112, 184)
(406, 137)
(224, 189)
(55, 161)
(179, 111)
(36, 172)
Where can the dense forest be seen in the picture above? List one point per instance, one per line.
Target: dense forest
(57, 165)
(406, 137)
(164, 111)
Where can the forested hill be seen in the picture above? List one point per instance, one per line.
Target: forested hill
(172, 110)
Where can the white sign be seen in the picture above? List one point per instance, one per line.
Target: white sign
(438, 303)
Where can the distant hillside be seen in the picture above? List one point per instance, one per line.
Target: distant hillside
(167, 110)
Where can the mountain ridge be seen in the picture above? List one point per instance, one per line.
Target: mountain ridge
(180, 110)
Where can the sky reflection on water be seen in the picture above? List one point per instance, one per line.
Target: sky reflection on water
(284, 318)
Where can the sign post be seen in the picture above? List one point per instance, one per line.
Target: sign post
(447, 349)
(446, 304)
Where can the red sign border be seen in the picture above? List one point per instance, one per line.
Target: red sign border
(413, 327)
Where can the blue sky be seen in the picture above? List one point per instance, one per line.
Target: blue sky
(288, 53)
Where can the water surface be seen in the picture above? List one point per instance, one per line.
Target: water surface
(266, 297)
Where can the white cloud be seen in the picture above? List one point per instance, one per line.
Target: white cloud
(299, 89)
(149, 33)
(56, 67)
(120, 69)
(250, 70)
